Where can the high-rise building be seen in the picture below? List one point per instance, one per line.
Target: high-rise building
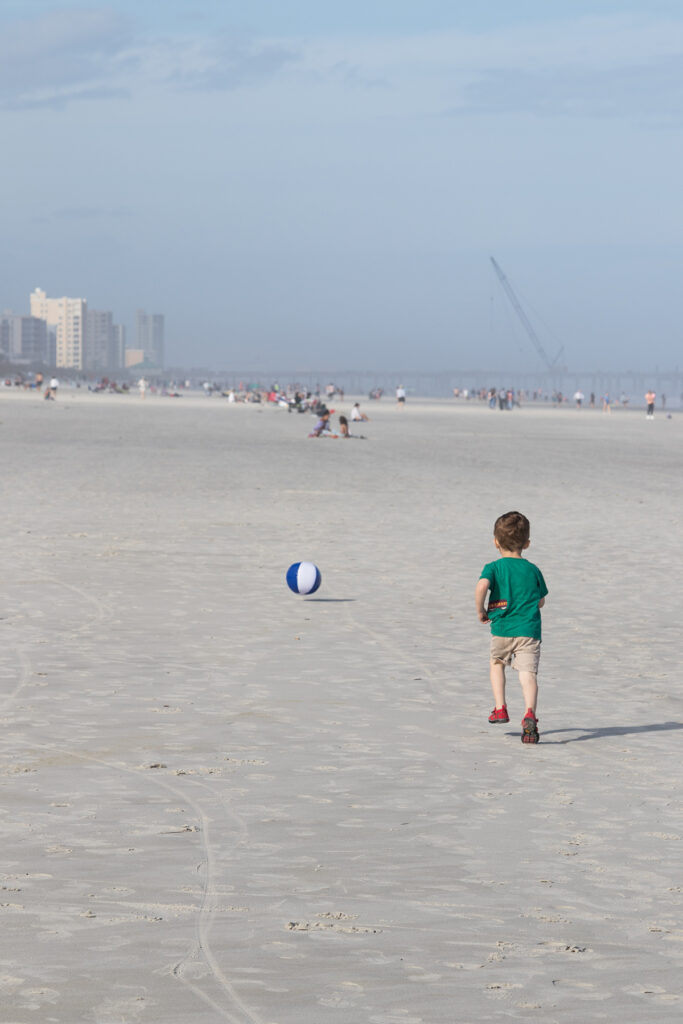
(5, 335)
(51, 345)
(30, 338)
(119, 346)
(150, 336)
(100, 350)
(68, 317)
(23, 338)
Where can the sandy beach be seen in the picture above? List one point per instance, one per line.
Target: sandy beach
(222, 802)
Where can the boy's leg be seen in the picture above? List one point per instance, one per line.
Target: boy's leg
(529, 722)
(529, 689)
(498, 683)
(527, 654)
(499, 658)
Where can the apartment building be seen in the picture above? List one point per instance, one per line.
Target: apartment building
(102, 341)
(69, 319)
(150, 336)
(23, 339)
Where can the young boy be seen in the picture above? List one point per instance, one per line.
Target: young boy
(517, 594)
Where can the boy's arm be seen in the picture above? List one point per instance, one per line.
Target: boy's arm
(482, 589)
(541, 602)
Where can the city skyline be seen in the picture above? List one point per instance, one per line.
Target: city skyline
(309, 184)
(66, 333)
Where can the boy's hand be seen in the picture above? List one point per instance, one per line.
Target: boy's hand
(480, 593)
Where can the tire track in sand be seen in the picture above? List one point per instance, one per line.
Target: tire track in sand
(209, 893)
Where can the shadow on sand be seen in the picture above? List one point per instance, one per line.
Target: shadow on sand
(610, 730)
(331, 600)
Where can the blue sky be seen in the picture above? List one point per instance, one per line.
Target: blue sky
(307, 184)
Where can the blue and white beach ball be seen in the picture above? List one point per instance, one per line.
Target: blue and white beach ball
(303, 578)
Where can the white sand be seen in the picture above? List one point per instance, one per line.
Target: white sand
(223, 802)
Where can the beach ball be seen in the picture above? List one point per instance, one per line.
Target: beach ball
(303, 577)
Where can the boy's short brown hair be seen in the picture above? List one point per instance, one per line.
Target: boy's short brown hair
(512, 531)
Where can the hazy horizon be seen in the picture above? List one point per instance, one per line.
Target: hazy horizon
(308, 185)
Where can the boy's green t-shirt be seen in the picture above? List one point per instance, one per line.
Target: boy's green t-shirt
(516, 588)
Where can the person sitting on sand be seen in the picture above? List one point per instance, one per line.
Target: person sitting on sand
(357, 415)
(344, 430)
(322, 427)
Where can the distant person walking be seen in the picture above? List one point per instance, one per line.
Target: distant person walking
(51, 389)
(651, 398)
(578, 398)
(400, 396)
(142, 387)
(606, 403)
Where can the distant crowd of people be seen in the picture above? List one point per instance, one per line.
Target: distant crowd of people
(48, 389)
(509, 398)
(297, 398)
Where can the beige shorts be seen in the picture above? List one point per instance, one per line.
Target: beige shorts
(522, 652)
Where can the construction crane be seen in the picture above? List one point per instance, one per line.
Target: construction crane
(526, 323)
